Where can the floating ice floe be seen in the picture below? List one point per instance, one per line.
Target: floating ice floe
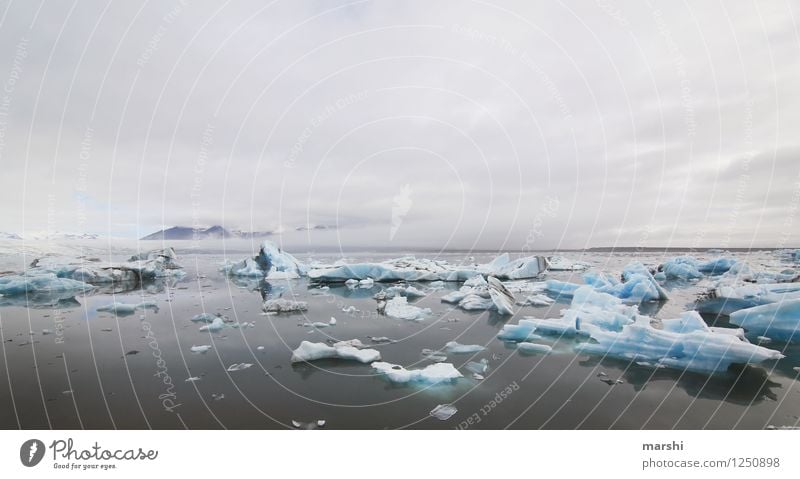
(588, 307)
(271, 262)
(216, 325)
(432, 374)
(46, 283)
(125, 309)
(534, 348)
(689, 268)
(638, 285)
(204, 318)
(411, 269)
(238, 367)
(434, 355)
(456, 348)
(560, 263)
(478, 367)
(346, 350)
(443, 412)
(730, 295)
(399, 308)
(686, 343)
(400, 290)
(200, 349)
(478, 293)
(537, 300)
(138, 269)
(281, 305)
(779, 320)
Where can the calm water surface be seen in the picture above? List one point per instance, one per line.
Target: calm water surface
(97, 370)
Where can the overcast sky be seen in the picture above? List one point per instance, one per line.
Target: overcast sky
(502, 125)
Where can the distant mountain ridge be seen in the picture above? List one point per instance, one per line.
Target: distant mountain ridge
(213, 232)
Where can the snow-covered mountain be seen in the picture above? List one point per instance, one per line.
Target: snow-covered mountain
(213, 232)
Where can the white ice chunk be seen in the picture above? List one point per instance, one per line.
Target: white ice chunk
(346, 350)
(238, 367)
(456, 348)
(560, 263)
(281, 305)
(432, 374)
(399, 308)
(200, 349)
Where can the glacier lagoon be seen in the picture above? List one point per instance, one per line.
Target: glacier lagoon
(70, 361)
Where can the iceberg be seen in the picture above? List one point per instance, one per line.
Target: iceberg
(281, 305)
(456, 348)
(729, 296)
(407, 291)
(502, 298)
(588, 307)
(411, 269)
(204, 318)
(478, 367)
(124, 309)
(638, 285)
(780, 320)
(399, 308)
(432, 374)
(271, 262)
(346, 350)
(681, 267)
(686, 343)
(47, 283)
(504, 268)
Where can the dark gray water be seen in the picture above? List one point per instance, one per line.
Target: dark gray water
(97, 370)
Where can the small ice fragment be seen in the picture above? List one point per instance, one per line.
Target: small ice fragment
(200, 349)
(434, 355)
(124, 309)
(478, 367)
(238, 367)
(217, 325)
(532, 348)
(217, 397)
(332, 322)
(192, 379)
(477, 376)
(380, 339)
(319, 324)
(764, 339)
(45, 332)
(204, 318)
(309, 425)
(349, 309)
(443, 412)
(456, 348)
(281, 305)
(260, 348)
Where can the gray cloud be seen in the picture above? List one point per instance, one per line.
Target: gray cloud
(642, 124)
